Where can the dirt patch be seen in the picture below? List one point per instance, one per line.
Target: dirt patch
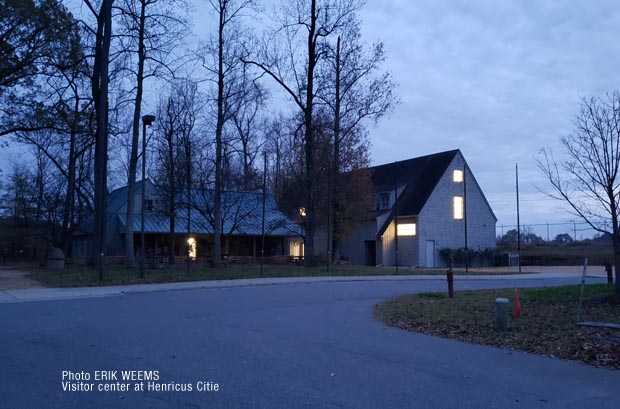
(547, 326)
(13, 279)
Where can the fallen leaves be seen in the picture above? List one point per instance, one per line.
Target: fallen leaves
(547, 326)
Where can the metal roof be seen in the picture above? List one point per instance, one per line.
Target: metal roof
(241, 215)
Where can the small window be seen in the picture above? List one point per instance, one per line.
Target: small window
(457, 176)
(457, 209)
(384, 201)
(407, 229)
(148, 205)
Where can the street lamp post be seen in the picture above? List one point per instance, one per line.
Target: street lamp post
(146, 120)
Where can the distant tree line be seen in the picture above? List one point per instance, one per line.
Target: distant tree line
(73, 93)
(528, 238)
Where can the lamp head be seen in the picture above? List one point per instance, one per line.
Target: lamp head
(148, 119)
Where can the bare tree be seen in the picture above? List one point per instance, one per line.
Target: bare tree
(588, 178)
(176, 117)
(291, 57)
(220, 58)
(151, 29)
(100, 87)
(357, 91)
(249, 128)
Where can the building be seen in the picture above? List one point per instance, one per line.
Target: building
(436, 203)
(242, 227)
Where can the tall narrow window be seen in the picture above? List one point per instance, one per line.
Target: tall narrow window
(457, 208)
(457, 176)
(191, 242)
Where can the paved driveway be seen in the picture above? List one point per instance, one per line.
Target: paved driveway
(279, 346)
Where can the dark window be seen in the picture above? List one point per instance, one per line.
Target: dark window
(148, 205)
(384, 201)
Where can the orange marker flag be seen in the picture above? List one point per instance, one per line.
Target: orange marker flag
(517, 310)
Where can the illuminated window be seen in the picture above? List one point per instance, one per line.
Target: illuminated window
(457, 176)
(457, 208)
(191, 243)
(407, 229)
(302, 211)
(296, 249)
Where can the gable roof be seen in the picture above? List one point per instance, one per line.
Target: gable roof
(419, 176)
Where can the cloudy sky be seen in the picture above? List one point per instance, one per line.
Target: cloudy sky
(497, 79)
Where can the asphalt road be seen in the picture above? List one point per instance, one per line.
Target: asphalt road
(279, 346)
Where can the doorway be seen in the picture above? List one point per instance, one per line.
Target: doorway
(430, 253)
(370, 253)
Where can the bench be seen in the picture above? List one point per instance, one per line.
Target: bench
(605, 325)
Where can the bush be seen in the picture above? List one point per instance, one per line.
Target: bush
(473, 258)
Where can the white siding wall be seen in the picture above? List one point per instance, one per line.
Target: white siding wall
(354, 246)
(436, 221)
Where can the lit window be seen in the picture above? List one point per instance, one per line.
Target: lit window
(302, 211)
(457, 210)
(407, 229)
(296, 249)
(191, 243)
(457, 176)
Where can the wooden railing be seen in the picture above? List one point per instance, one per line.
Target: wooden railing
(162, 261)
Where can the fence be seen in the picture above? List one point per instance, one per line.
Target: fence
(576, 230)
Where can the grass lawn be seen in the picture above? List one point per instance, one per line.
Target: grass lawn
(82, 276)
(547, 325)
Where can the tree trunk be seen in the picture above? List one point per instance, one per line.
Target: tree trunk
(171, 198)
(100, 84)
(68, 211)
(334, 206)
(133, 161)
(217, 200)
(309, 259)
(616, 246)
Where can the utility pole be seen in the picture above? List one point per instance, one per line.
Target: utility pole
(465, 216)
(574, 231)
(188, 169)
(396, 215)
(329, 209)
(146, 120)
(518, 216)
(262, 234)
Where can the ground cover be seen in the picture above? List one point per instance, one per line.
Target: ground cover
(79, 276)
(547, 325)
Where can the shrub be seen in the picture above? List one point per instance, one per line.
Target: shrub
(473, 258)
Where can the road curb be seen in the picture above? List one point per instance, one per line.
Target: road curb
(47, 294)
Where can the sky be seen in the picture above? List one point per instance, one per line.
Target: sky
(498, 80)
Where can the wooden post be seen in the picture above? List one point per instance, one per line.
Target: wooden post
(450, 278)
